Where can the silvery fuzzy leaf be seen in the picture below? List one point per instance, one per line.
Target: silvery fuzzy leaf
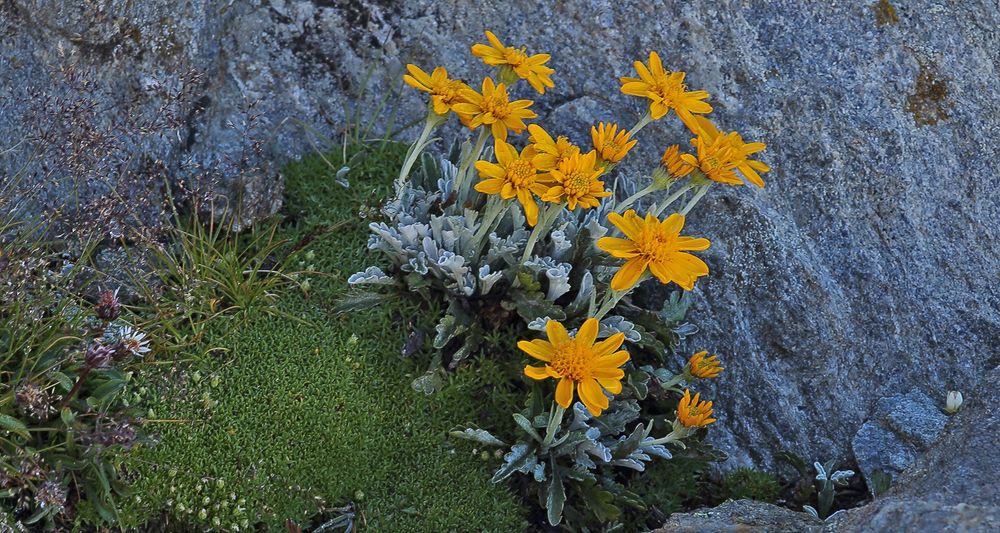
(478, 435)
(820, 471)
(560, 243)
(558, 281)
(417, 264)
(811, 510)
(538, 324)
(430, 247)
(539, 472)
(468, 285)
(447, 328)
(373, 241)
(657, 450)
(413, 234)
(619, 414)
(454, 265)
(540, 263)
(487, 279)
(617, 324)
(372, 274)
(389, 236)
(685, 330)
(842, 476)
(583, 294)
(521, 457)
(595, 229)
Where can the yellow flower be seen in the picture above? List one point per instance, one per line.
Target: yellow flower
(551, 152)
(531, 68)
(494, 108)
(655, 245)
(694, 413)
(514, 175)
(704, 367)
(672, 161)
(590, 366)
(611, 144)
(575, 182)
(445, 92)
(716, 159)
(740, 151)
(665, 91)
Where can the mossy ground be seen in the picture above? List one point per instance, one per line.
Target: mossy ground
(297, 417)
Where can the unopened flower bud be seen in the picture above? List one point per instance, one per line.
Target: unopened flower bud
(954, 402)
(98, 355)
(108, 306)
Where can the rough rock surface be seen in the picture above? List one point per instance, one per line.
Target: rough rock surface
(903, 426)
(866, 268)
(742, 516)
(953, 486)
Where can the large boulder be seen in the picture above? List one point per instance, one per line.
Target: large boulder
(866, 268)
(953, 486)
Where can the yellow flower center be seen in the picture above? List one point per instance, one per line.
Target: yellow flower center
(694, 411)
(573, 361)
(521, 173)
(655, 245)
(449, 91)
(610, 145)
(497, 105)
(577, 183)
(514, 57)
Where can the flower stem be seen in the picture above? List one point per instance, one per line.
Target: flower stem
(433, 119)
(545, 220)
(610, 301)
(635, 197)
(76, 387)
(555, 419)
(461, 178)
(671, 199)
(643, 122)
(702, 190)
(495, 208)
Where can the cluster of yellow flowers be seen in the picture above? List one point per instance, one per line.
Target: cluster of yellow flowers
(552, 171)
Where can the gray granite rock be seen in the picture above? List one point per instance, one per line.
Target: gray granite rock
(876, 448)
(951, 487)
(742, 516)
(903, 426)
(866, 268)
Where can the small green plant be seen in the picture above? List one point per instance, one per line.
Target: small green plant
(827, 481)
(880, 482)
(63, 367)
(205, 271)
(747, 483)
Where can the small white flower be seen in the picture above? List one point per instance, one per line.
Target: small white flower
(953, 402)
(133, 340)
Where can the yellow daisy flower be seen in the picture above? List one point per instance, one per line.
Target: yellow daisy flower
(612, 145)
(694, 413)
(716, 159)
(740, 151)
(672, 161)
(704, 367)
(494, 108)
(575, 182)
(550, 152)
(530, 68)
(665, 91)
(654, 245)
(513, 175)
(592, 367)
(445, 92)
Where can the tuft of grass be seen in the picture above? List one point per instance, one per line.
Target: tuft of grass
(312, 414)
(747, 483)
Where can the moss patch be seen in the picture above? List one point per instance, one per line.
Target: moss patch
(300, 417)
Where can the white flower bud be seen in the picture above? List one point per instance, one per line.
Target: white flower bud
(954, 402)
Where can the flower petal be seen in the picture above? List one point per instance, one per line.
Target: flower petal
(538, 348)
(564, 392)
(629, 273)
(587, 333)
(536, 372)
(557, 333)
(593, 397)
